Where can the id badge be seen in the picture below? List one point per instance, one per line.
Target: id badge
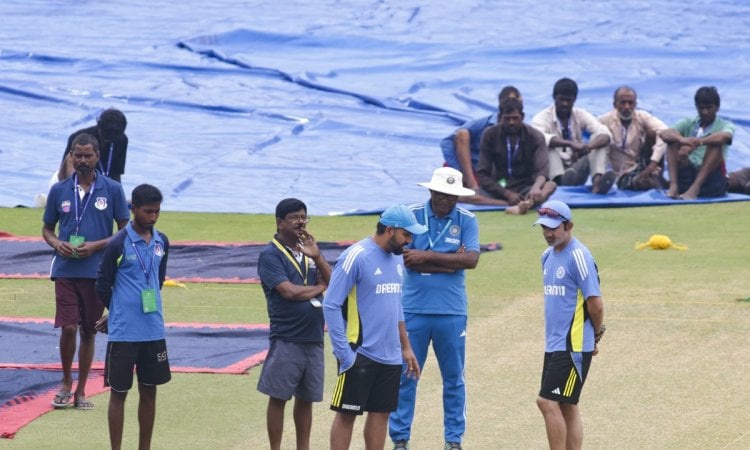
(148, 298)
(315, 302)
(75, 240)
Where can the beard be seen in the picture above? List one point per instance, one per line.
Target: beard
(394, 246)
(511, 130)
(84, 170)
(625, 116)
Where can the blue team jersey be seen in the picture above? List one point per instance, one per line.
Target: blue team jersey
(121, 281)
(440, 293)
(570, 276)
(362, 305)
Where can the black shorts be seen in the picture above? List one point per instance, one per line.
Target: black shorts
(563, 375)
(715, 184)
(149, 359)
(367, 386)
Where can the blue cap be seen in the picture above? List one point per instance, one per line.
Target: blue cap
(400, 216)
(552, 213)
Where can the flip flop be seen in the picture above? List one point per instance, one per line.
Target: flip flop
(62, 399)
(83, 404)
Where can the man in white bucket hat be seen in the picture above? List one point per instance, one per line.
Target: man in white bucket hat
(434, 301)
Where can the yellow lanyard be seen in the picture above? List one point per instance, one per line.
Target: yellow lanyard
(293, 260)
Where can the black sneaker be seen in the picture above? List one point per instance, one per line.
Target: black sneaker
(569, 177)
(401, 445)
(452, 446)
(605, 182)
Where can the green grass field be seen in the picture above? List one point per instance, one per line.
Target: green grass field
(669, 374)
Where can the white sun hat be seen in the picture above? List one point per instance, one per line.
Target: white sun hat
(448, 180)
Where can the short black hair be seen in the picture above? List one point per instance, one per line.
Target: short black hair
(504, 94)
(565, 86)
(112, 120)
(143, 194)
(624, 87)
(506, 91)
(511, 104)
(380, 228)
(289, 205)
(85, 139)
(707, 95)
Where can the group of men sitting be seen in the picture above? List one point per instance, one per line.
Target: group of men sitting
(507, 162)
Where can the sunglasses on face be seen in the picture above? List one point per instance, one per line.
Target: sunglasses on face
(552, 214)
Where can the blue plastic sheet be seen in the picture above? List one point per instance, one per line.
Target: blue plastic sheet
(232, 105)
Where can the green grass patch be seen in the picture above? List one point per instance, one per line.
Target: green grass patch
(669, 374)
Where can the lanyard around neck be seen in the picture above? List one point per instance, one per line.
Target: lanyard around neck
(87, 196)
(512, 154)
(146, 272)
(624, 135)
(287, 252)
(109, 160)
(429, 235)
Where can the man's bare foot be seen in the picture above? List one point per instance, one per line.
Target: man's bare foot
(673, 192)
(690, 194)
(520, 209)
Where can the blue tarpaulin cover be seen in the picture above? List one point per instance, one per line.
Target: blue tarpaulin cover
(233, 106)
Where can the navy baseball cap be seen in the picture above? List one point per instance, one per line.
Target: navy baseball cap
(552, 213)
(400, 216)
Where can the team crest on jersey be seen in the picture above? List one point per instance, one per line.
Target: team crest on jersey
(65, 206)
(400, 270)
(158, 249)
(455, 230)
(560, 272)
(101, 203)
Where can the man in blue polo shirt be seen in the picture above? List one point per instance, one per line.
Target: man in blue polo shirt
(85, 206)
(294, 276)
(129, 283)
(435, 303)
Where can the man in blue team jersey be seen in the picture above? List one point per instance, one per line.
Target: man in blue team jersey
(574, 324)
(435, 304)
(365, 321)
(129, 281)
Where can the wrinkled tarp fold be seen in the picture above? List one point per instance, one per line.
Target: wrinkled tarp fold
(233, 106)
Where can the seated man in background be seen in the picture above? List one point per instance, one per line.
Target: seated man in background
(514, 161)
(109, 131)
(636, 152)
(461, 149)
(571, 160)
(697, 149)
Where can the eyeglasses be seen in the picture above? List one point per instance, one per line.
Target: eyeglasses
(298, 218)
(552, 214)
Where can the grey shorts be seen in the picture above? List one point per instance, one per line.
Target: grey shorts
(293, 369)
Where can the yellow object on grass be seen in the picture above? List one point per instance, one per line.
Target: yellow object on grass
(173, 283)
(659, 242)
